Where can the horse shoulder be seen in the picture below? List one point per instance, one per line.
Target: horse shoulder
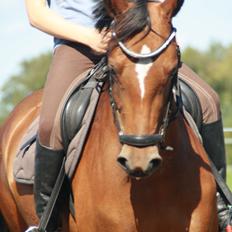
(11, 133)
(207, 203)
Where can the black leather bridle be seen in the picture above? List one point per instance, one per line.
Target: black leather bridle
(153, 139)
(174, 94)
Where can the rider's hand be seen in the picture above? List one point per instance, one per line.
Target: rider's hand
(97, 41)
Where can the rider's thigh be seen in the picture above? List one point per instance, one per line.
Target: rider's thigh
(209, 99)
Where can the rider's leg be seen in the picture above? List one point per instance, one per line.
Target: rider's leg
(211, 130)
(213, 139)
(47, 166)
(67, 64)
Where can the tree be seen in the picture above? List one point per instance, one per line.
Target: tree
(31, 77)
(213, 65)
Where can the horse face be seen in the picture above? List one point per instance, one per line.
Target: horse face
(141, 90)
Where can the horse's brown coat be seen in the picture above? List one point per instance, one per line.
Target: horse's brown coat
(180, 196)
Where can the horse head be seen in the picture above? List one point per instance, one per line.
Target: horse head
(143, 60)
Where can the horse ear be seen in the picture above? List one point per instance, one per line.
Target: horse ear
(116, 7)
(172, 7)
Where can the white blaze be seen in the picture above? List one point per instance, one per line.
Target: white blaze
(142, 68)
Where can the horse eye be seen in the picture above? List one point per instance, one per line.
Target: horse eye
(113, 72)
(173, 72)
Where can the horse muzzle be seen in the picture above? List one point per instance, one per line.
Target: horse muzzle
(139, 162)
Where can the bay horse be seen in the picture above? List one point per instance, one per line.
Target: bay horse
(143, 169)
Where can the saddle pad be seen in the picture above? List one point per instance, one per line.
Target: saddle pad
(23, 167)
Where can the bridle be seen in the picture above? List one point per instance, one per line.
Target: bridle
(150, 55)
(158, 138)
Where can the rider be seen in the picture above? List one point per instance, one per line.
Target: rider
(77, 47)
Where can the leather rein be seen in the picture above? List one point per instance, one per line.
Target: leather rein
(158, 138)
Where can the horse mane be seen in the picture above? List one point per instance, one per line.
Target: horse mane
(127, 24)
(130, 22)
(101, 15)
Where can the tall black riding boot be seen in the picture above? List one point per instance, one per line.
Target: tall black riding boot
(213, 140)
(47, 166)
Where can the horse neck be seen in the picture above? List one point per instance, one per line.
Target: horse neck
(182, 137)
(101, 185)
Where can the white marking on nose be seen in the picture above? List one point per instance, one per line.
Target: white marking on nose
(142, 68)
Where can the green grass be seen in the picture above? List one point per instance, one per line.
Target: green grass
(229, 176)
(229, 161)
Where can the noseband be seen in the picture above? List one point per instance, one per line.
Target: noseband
(154, 139)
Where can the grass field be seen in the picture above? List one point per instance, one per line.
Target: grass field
(229, 176)
(228, 137)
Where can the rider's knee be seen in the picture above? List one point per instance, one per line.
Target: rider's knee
(211, 111)
(45, 130)
(208, 98)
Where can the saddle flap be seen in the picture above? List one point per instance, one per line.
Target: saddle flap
(191, 103)
(74, 112)
(79, 108)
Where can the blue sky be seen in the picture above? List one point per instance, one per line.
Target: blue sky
(199, 23)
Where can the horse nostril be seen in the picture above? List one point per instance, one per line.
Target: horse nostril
(154, 164)
(123, 162)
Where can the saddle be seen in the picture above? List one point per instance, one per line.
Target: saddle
(78, 102)
(191, 103)
(77, 110)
